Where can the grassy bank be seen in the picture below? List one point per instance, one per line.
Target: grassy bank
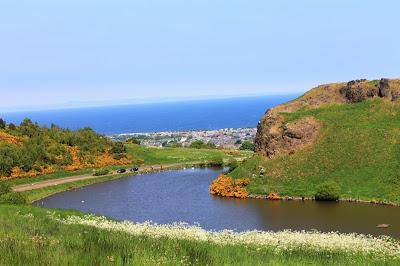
(358, 147)
(35, 236)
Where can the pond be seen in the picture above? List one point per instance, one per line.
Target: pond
(183, 195)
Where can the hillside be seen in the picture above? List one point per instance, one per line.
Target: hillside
(345, 132)
(28, 150)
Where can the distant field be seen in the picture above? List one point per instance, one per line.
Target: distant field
(179, 155)
(358, 147)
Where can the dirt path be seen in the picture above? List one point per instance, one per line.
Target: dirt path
(58, 181)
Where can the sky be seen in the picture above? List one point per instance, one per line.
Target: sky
(72, 53)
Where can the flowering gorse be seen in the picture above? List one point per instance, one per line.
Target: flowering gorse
(280, 242)
(226, 186)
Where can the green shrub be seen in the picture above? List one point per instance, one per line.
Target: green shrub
(118, 147)
(199, 144)
(13, 198)
(4, 188)
(217, 161)
(100, 172)
(327, 191)
(247, 145)
(133, 141)
(119, 156)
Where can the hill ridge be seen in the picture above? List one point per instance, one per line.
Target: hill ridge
(275, 136)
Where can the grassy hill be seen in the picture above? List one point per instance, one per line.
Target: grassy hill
(357, 146)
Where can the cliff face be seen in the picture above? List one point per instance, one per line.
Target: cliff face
(275, 137)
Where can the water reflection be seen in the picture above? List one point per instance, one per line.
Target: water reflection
(183, 195)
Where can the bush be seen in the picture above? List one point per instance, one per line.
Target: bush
(118, 147)
(100, 172)
(133, 141)
(4, 188)
(225, 186)
(11, 126)
(199, 144)
(12, 198)
(217, 161)
(328, 191)
(119, 156)
(2, 124)
(247, 145)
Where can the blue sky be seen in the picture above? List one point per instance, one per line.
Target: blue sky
(69, 53)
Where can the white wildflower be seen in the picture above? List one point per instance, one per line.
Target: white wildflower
(283, 241)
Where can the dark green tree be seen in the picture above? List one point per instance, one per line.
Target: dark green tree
(11, 126)
(9, 155)
(28, 128)
(2, 124)
(118, 147)
(118, 150)
(247, 145)
(133, 141)
(197, 144)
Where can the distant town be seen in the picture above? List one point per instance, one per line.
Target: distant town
(225, 138)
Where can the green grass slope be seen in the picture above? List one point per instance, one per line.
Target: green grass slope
(358, 146)
(152, 156)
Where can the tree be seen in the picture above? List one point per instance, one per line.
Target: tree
(118, 147)
(28, 128)
(175, 144)
(8, 159)
(118, 150)
(133, 141)
(247, 145)
(2, 123)
(199, 144)
(11, 126)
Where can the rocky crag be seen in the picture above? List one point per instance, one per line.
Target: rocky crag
(275, 136)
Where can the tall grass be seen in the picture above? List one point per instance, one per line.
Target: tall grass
(32, 236)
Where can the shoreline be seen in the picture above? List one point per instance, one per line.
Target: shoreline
(351, 200)
(183, 166)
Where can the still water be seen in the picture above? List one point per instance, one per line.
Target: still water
(182, 195)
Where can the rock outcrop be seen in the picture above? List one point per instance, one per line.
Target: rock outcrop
(275, 137)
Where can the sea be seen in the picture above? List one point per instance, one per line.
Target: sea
(155, 117)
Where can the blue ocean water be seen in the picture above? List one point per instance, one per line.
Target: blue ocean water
(171, 116)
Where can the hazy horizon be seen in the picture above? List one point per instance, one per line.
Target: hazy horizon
(105, 104)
